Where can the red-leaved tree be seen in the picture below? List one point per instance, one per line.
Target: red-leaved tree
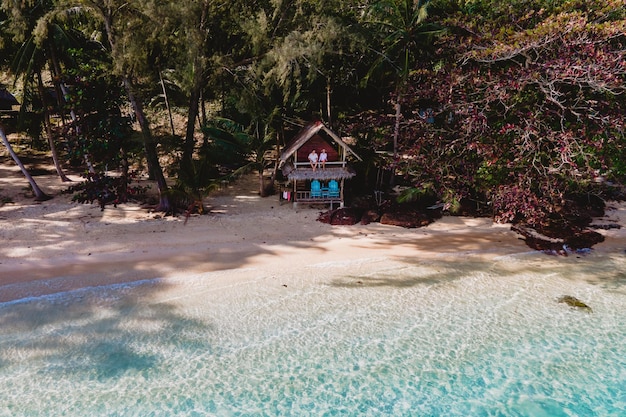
(518, 115)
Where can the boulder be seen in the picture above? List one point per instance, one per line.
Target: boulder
(572, 241)
(342, 216)
(325, 216)
(574, 302)
(406, 219)
(584, 239)
(345, 216)
(370, 216)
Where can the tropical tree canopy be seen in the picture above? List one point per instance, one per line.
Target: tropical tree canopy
(513, 106)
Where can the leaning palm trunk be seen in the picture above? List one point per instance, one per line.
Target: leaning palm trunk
(150, 147)
(39, 195)
(152, 156)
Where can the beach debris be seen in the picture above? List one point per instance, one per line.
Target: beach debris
(575, 302)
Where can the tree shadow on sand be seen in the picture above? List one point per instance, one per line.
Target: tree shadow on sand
(97, 335)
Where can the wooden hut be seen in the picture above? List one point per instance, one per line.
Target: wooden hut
(7, 100)
(8, 116)
(322, 185)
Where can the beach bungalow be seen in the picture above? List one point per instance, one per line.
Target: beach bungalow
(7, 100)
(8, 116)
(323, 184)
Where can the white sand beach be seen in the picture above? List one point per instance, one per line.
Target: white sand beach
(59, 245)
(257, 308)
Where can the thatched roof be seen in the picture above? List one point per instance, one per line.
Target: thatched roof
(307, 133)
(319, 174)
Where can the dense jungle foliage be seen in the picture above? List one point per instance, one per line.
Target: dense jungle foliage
(515, 107)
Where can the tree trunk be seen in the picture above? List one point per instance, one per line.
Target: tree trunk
(396, 134)
(277, 149)
(39, 195)
(167, 103)
(150, 147)
(152, 156)
(328, 109)
(46, 122)
(122, 192)
(198, 67)
(203, 109)
(262, 192)
(190, 140)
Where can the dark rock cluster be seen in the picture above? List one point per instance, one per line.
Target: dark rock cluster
(403, 215)
(569, 231)
(570, 242)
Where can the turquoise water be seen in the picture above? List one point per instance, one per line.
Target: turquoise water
(407, 339)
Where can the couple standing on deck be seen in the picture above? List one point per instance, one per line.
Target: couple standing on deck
(316, 160)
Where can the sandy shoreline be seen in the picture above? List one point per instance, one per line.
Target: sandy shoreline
(58, 246)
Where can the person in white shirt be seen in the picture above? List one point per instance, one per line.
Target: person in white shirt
(323, 158)
(313, 158)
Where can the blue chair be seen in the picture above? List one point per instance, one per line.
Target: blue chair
(333, 189)
(316, 189)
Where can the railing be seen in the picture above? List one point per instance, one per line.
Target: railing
(328, 164)
(305, 196)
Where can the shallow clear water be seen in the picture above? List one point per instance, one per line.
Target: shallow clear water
(410, 339)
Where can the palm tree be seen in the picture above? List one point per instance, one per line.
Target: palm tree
(197, 33)
(40, 37)
(248, 146)
(39, 194)
(128, 51)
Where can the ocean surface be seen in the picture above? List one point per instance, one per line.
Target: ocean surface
(439, 338)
